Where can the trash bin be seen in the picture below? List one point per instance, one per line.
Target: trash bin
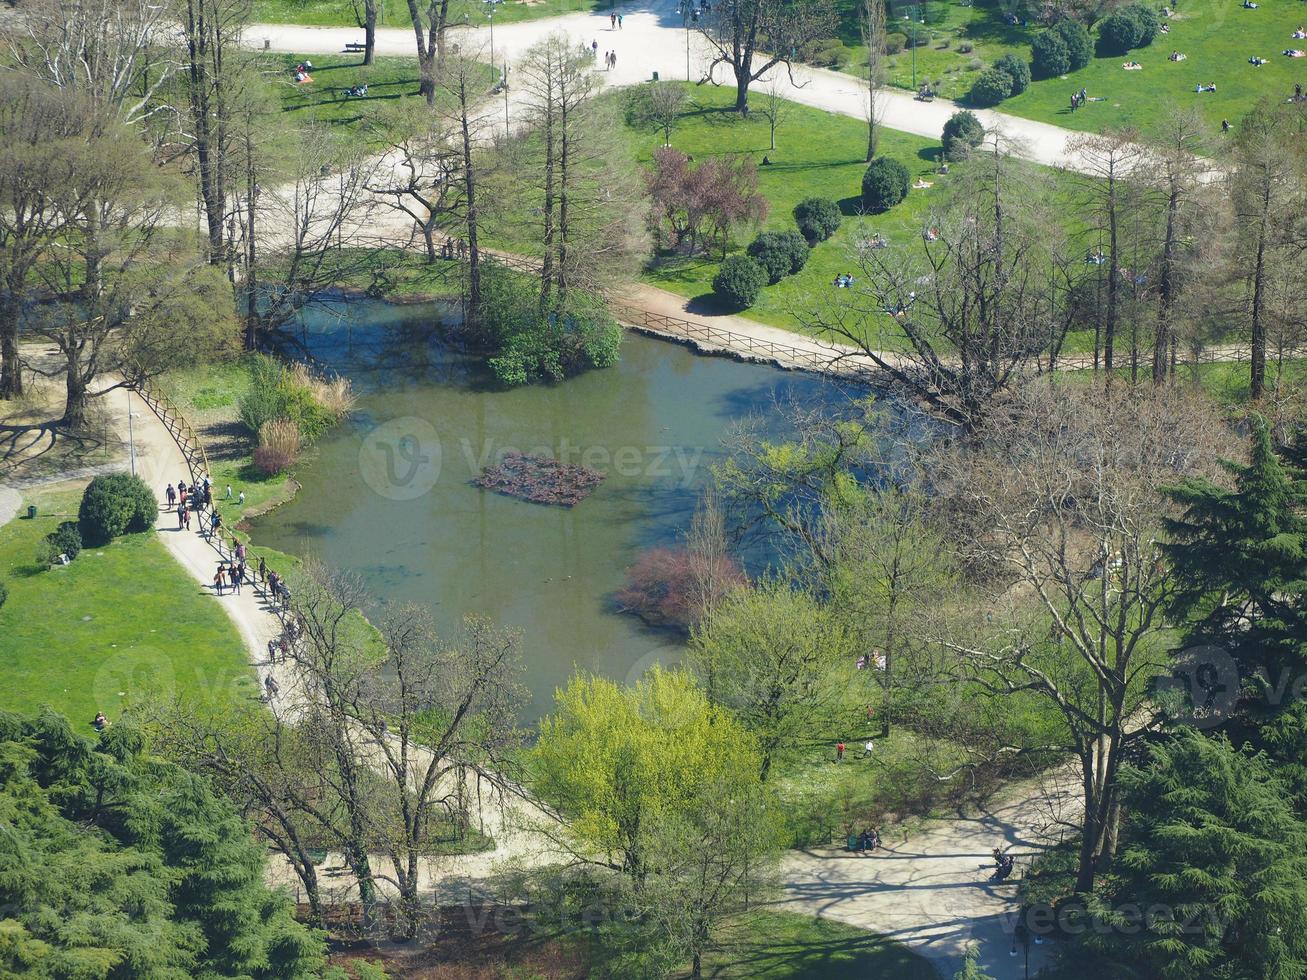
(655, 78)
(31, 512)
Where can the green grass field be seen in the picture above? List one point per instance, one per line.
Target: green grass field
(323, 100)
(786, 946)
(1217, 40)
(394, 13)
(120, 623)
(818, 153)
(963, 39)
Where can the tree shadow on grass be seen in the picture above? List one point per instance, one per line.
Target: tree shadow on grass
(815, 957)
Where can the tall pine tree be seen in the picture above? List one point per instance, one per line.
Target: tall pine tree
(1240, 556)
(1211, 883)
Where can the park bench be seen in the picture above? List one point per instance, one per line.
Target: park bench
(355, 46)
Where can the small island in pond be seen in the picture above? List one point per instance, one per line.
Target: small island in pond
(540, 479)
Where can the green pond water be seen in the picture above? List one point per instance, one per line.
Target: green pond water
(388, 494)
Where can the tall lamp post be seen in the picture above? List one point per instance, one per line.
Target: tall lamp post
(912, 38)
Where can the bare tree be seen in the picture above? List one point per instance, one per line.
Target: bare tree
(658, 105)
(1111, 182)
(1177, 177)
(873, 37)
(1056, 507)
(1267, 193)
(774, 108)
(113, 53)
(430, 21)
(590, 208)
(428, 168)
(972, 300)
(752, 36)
(365, 15)
(39, 126)
(265, 765)
(314, 225)
(211, 35)
(442, 719)
(126, 285)
(468, 115)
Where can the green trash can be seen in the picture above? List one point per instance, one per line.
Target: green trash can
(31, 512)
(655, 78)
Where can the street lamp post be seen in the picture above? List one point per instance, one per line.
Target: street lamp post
(912, 39)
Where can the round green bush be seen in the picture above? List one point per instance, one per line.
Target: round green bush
(894, 43)
(884, 184)
(1134, 26)
(1079, 48)
(739, 281)
(1049, 57)
(962, 133)
(991, 87)
(113, 505)
(818, 218)
(780, 253)
(66, 539)
(1017, 69)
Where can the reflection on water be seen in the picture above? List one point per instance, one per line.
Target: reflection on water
(388, 493)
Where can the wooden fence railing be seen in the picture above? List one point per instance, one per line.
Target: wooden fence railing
(178, 426)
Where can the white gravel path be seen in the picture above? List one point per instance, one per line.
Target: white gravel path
(652, 39)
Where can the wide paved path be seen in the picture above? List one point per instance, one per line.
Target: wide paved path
(651, 39)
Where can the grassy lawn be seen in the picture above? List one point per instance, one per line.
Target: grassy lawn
(120, 623)
(323, 100)
(786, 946)
(818, 153)
(394, 13)
(1217, 40)
(943, 62)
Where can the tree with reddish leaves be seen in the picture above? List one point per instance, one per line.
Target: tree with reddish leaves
(701, 205)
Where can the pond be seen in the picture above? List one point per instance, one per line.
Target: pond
(389, 494)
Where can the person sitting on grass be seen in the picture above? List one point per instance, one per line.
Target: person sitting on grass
(1177, 56)
(1248, 5)
(101, 722)
(1256, 62)
(1299, 34)
(1294, 53)
(1132, 66)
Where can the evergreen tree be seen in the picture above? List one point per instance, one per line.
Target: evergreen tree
(1240, 556)
(1212, 880)
(116, 864)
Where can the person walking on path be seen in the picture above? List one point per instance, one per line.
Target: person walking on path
(839, 751)
(612, 63)
(612, 20)
(619, 26)
(181, 518)
(219, 579)
(186, 518)
(594, 48)
(272, 652)
(171, 496)
(271, 687)
(263, 569)
(237, 573)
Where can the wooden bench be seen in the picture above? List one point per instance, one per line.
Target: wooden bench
(355, 46)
